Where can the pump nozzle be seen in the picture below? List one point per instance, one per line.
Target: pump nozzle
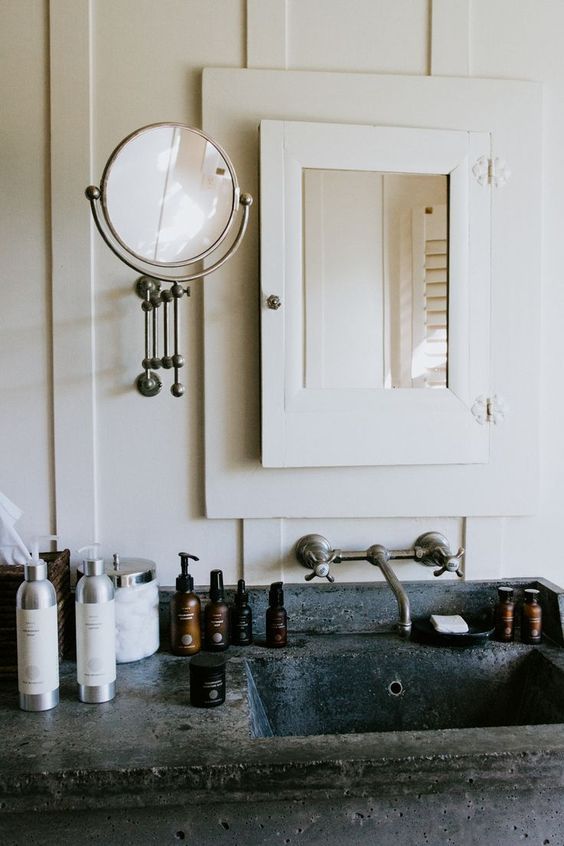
(35, 546)
(185, 582)
(241, 597)
(93, 564)
(91, 549)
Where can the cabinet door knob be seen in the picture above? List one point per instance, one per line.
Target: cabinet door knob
(274, 302)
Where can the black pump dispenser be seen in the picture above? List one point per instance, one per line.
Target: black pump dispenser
(241, 597)
(216, 586)
(276, 595)
(185, 582)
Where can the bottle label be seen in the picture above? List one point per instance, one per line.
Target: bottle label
(213, 690)
(216, 625)
(38, 650)
(242, 632)
(184, 616)
(95, 643)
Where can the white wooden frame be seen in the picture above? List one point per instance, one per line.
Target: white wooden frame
(321, 427)
(234, 103)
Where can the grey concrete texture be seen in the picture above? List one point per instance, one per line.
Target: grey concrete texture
(149, 768)
(469, 818)
(321, 608)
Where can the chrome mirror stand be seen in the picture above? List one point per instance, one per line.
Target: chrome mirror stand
(149, 288)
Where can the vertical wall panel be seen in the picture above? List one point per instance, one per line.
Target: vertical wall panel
(26, 454)
(370, 36)
(450, 38)
(73, 308)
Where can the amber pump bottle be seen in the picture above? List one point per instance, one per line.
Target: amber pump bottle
(185, 632)
(216, 615)
(276, 617)
(241, 617)
(505, 615)
(531, 620)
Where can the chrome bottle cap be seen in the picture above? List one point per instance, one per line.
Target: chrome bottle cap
(93, 566)
(35, 571)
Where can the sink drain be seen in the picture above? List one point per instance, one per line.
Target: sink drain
(395, 688)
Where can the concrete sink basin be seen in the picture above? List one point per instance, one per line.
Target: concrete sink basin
(407, 688)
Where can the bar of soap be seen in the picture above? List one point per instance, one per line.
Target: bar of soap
(449, 624)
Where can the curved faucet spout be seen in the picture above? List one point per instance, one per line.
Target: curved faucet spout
(379, 556)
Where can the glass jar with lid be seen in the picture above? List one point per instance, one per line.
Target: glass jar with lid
(137, 608)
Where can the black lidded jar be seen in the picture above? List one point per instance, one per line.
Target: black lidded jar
(276, 617)
(241, 617)
(505, 615)
(207, 681)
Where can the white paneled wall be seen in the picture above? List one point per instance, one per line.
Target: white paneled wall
(146, 456)
(26, 437)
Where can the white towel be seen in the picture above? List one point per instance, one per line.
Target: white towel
(12, 548)
(449, 624)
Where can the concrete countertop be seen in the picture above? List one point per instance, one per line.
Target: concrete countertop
(149, 747)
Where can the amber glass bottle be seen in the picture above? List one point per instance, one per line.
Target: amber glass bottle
(531, 620)
(505, 615)
(185, 632)
(276, 617)
(216, 615)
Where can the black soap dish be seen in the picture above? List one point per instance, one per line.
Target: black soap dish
(480, 629)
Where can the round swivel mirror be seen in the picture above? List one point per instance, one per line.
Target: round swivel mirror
(169, 194)
(168, 198)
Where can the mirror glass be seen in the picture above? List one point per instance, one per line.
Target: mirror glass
(169, 194)
(375, 261)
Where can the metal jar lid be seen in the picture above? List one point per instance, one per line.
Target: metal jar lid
(129, 572)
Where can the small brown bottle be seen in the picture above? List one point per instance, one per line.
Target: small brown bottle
(505, 615)
(185, 633)
(241, 617)
(531, 620)
(216, 615)
(276, 617)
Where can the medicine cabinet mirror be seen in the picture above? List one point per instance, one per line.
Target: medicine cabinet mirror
(375, 248)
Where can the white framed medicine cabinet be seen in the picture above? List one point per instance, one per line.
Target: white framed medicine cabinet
(415, 451)
(351, 249)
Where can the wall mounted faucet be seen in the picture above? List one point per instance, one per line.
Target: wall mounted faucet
(431, 549)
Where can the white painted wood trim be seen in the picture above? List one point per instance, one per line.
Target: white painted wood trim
(262, 551)
(483, 542)
(450, 38)
(234, 102)
(323, 427)
(72, 267)
(267, 31)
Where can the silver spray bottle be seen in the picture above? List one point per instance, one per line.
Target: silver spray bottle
(95, 632)
(37, 638)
